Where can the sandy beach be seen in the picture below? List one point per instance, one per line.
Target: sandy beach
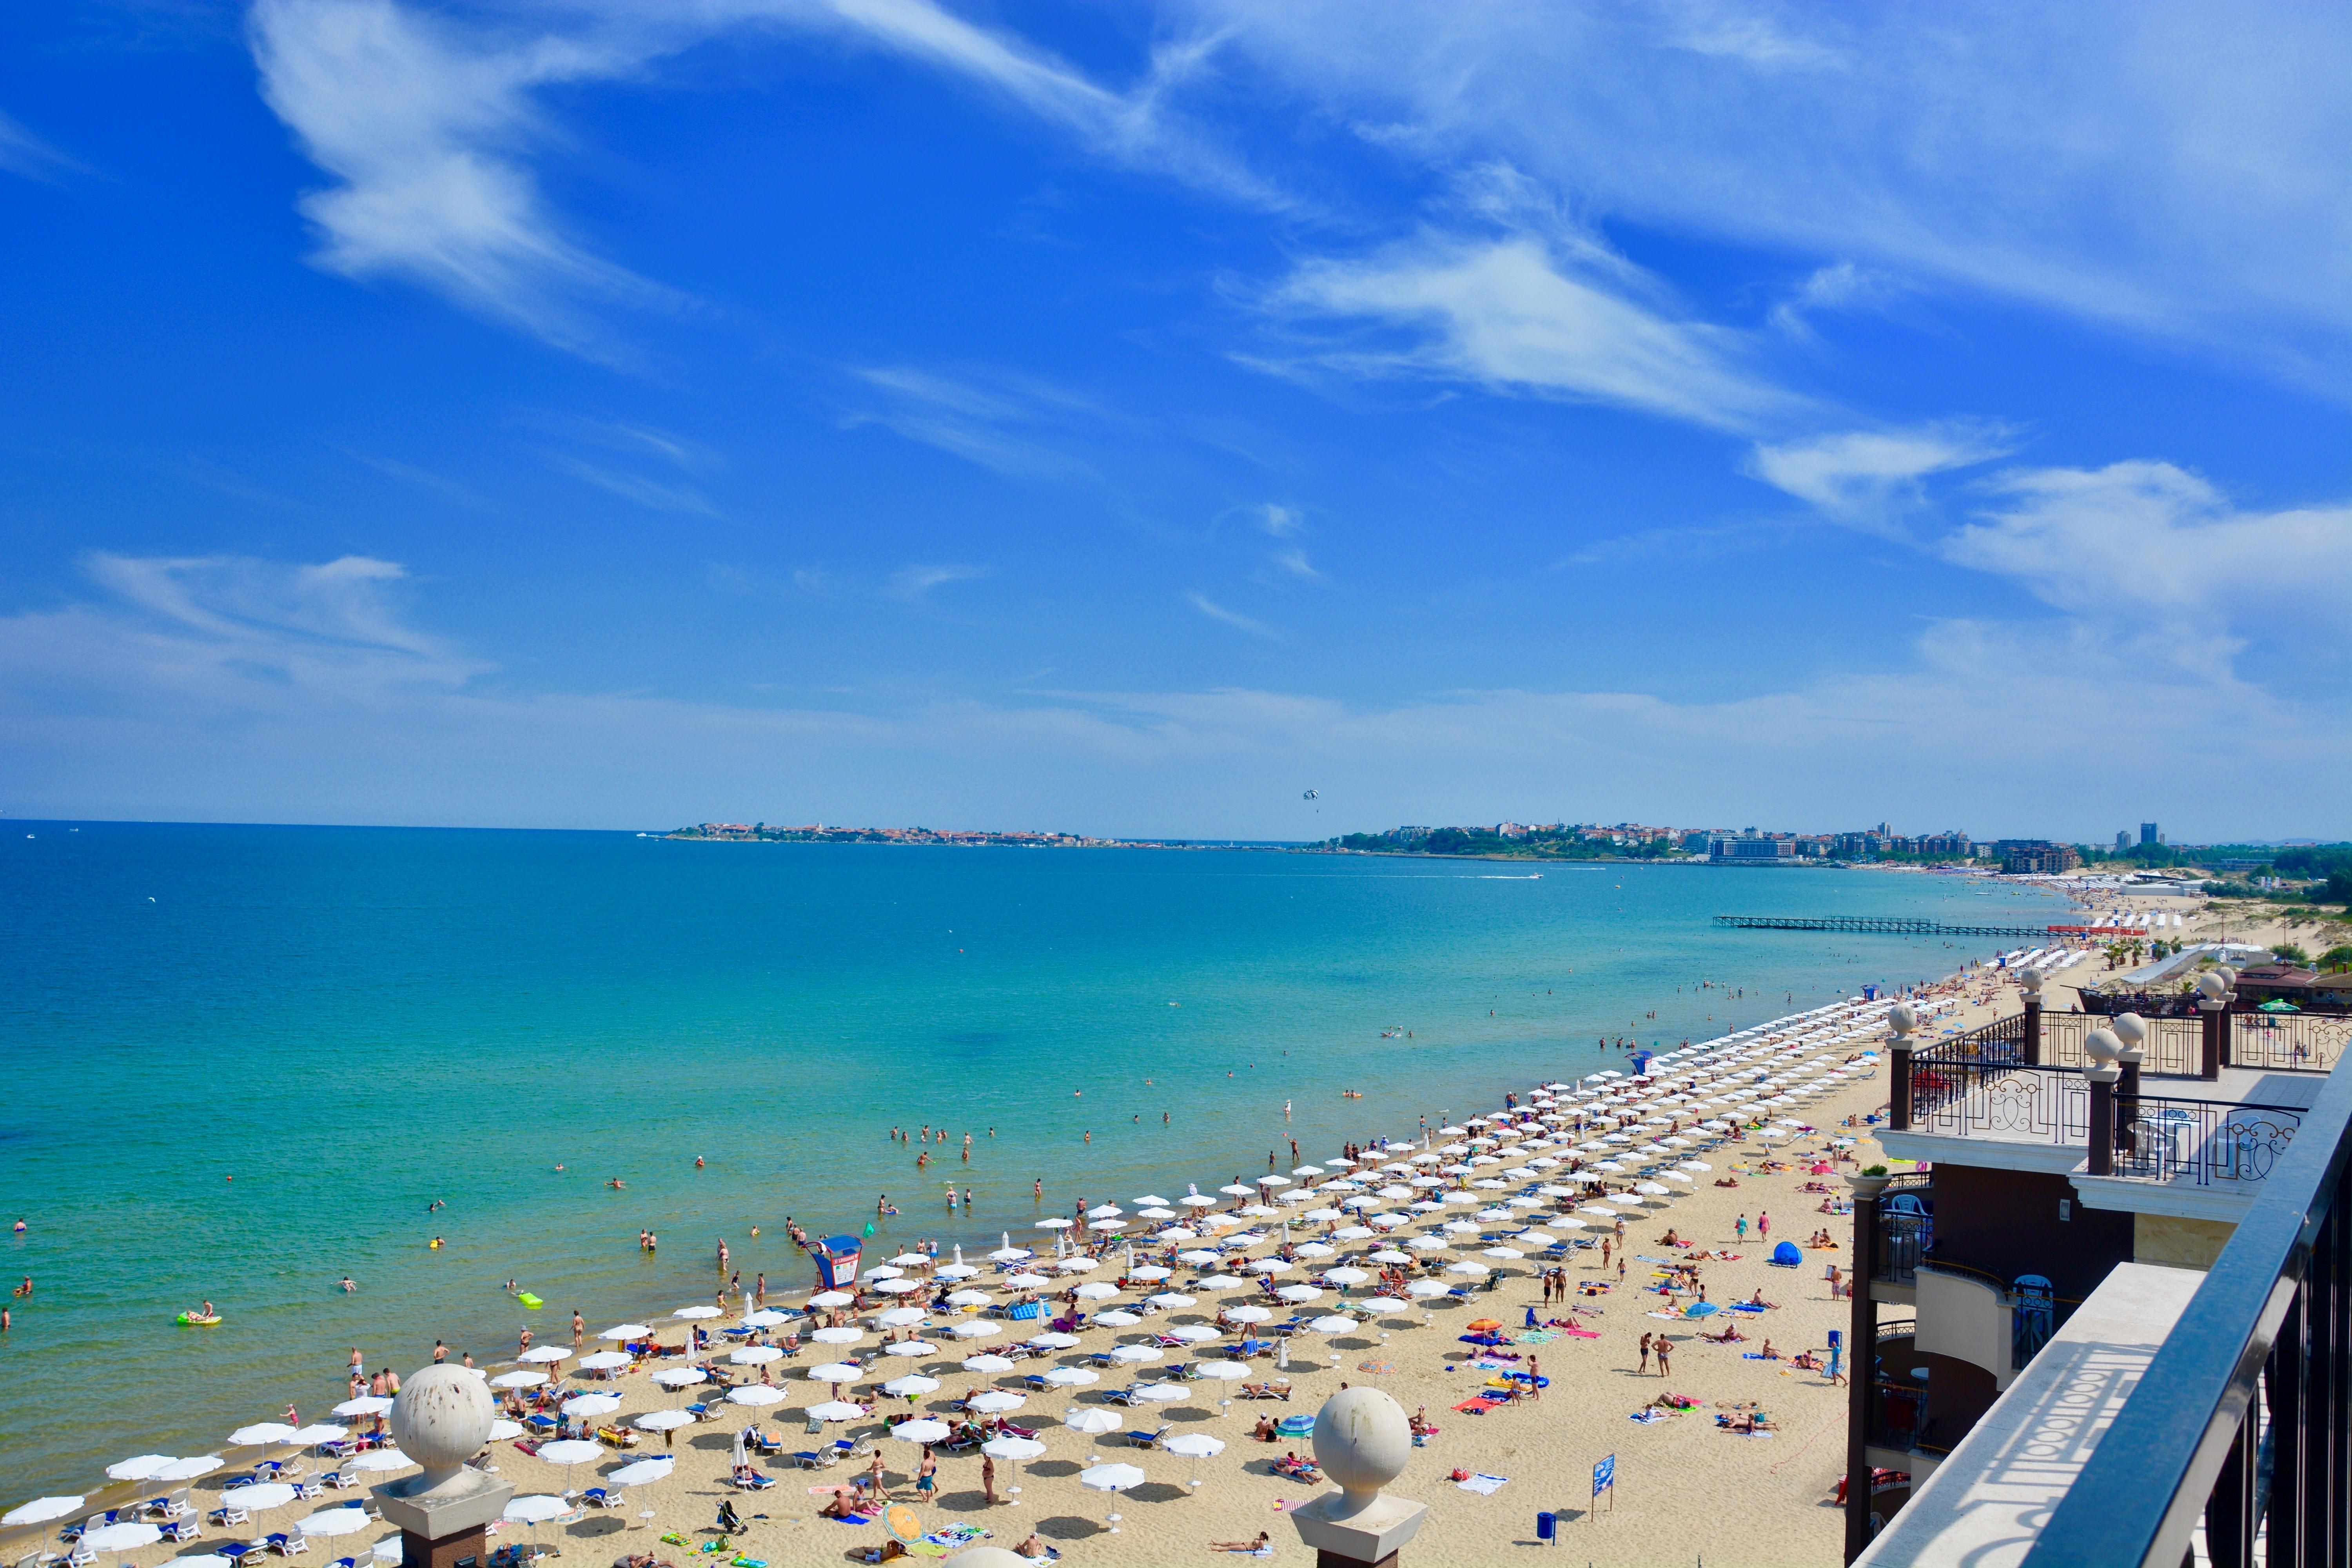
(1687, 1490)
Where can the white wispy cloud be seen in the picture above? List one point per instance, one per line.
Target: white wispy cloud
(656, 494)
(1281, 521)
(2159, 559)
(22, 152)
(429, 124)
(914, 581)
(1234, 618)
(2109, 163)
(1870, 478)
(1841, 286)
(1520, 314)
(1010, 424)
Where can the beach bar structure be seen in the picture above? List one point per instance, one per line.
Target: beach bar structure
(2110, 1317)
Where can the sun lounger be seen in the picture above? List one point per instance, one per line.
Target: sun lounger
(1148, 1440)
(179, 1530)
(81, 1556)
(225, 1517)
(816, 1458)
(602, 1497)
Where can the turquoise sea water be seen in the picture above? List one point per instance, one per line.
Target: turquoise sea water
(353, 1024)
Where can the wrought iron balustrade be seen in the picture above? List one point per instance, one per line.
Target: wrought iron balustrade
(2200, 1141)
(1977, 1099)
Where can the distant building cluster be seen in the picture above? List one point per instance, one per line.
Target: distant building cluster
(818, 832)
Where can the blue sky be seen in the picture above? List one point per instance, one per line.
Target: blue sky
(1127, 418)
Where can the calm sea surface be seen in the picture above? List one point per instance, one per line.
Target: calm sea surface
(241, 1063)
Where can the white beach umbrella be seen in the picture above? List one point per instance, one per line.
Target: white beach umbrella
(976, 1330)
(1169, 1301)
(996, 1401)
(330, 1523)
(142, 1466)
(40, 1510)
(129, 1536)
(1116, 1318)
(1053, 1339)
(1159, 1393)
(1135, 1353)
(843, 1335)
(696, 1314)
(516, 1379)
(755, 1395)
(1508, 1254)
(642, 1472)
(602, 1361)
(835, 1371)
(912, 1385)
(1247, 1314)
(662, 1421)
(588, 1406)
(1191, 1334)
(900, 1318)
(1427, 1288)
(189, 1470)
(1332, 1323)
(1092, 1421)
(1383, 1304)
(831, 1298)
(259, 1499)
(365, 1405)
(1222, 1371)
(379, 1459)
(988, 1363)
(1013, 1449)
(909, 1348)
(837, 1410)
(1028, 1282)
(263, 1432)
(898, 1287)
(768, 1318)
(1072, 1377)
(754, 1356)
(1096, 1290)
(924, 1430)
(1299, 1293)
(1474, 1270)
(680, 1376)
(969, 1299)
(538, 1355)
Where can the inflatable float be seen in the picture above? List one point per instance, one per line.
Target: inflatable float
(197, 1319)
(530, 1301)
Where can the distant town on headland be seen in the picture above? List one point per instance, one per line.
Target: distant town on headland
(2304, 860)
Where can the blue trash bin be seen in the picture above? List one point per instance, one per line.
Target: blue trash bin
(1547, 1526)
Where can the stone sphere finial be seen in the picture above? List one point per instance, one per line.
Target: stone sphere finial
(1362, 1439)
(2030, 980)
(2229, 975)
(442, 1418)
(1902, 1018)
(2211, 986)
(2103, 1047)
(2131, 1029)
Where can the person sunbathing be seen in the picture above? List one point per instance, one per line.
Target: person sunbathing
(1264, 1432)
(1264, 1544)
(1033, 1549)
(1730, 1336)
(1757, 1301)
(1807, 1360)
(1768, 1352)
(840, 1507)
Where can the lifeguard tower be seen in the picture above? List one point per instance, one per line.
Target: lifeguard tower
(836, 1261)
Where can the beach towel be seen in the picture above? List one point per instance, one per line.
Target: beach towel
(1477, 1406)
(1649, 1417)
(1534, 1337)
(1484, 1485)
(1584, 1334)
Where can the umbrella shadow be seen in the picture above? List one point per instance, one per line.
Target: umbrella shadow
(1053, 1467)
(1070, 1527)
(594, 1527)
(1154, 1492)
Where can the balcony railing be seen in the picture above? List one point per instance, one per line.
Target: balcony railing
(2288, 1042)
(2200, 1141)
(1996, 1099)
(1905, 1233)
(2175, 1047)
(2271, 1322)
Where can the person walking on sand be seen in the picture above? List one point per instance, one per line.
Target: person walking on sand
(1739, 1229)
(579, 1328)
(1763, 1229)
(1605, 1244)
(988, 1478)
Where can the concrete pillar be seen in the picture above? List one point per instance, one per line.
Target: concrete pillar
(1902, 1019)
(441, 1419)
(1863, 1334)
(2102, 1048)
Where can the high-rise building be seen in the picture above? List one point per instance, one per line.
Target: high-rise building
(2149, 835)
(2123, 840)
